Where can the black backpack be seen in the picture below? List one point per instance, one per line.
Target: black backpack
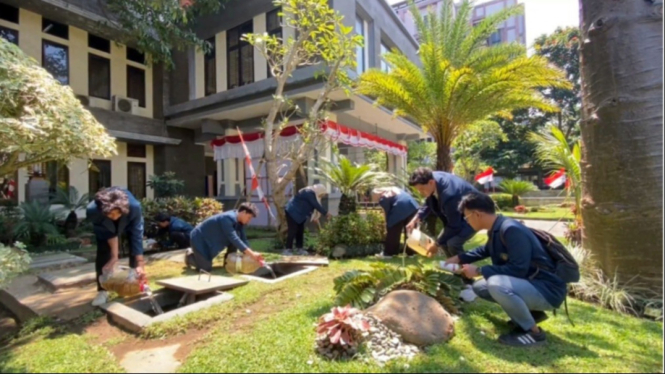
(565, 266)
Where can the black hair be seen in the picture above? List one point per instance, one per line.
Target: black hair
(112, 198)
(162, 217)
(421, 176)
(249, 208)
(479, 202)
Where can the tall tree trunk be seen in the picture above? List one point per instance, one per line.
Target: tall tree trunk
(443, 160)
(622, 132)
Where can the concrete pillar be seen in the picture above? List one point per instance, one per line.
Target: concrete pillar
(22, 181)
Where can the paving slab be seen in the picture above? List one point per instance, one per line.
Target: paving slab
(156, 360)
(73, 277)
(56, 260)
(201, 284)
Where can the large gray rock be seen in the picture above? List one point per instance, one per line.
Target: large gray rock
(418, 318)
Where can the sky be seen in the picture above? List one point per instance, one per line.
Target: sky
(544, 16)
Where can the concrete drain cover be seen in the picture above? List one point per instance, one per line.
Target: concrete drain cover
(282, 272)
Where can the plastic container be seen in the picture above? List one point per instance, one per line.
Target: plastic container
(238, 263)
(123, 281)
(419, 242)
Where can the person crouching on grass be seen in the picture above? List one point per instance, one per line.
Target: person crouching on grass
(521, 278)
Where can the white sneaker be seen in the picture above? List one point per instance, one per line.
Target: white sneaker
(101, 299)
(287, 253)
(468, 295)
(302, 252)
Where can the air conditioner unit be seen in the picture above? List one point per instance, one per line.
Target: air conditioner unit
(125, 104)
(85, 101)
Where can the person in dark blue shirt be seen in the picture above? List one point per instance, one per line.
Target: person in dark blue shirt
(224, 230)
(304, 205)
(178, 229)
(113, 212)
(521, 278)
(399, 208)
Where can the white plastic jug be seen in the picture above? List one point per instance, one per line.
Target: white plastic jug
(419, 242)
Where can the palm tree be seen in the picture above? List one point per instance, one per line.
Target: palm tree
(622, 131)
(351, 179)
(70, 201)
(461, 80)
(516, 188)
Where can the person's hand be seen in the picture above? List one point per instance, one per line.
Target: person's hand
(316, 220)
(256, 256)
(110, 265)
(412, 225)
(432, 250)
(453, 260)
(140, 268)
(329, 216)
(470, 271)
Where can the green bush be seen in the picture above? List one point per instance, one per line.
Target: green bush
(191, 210)
(14, 260)
(9, 217)
(166, 185)
(352, 230)
(503, 200)
(36, 223)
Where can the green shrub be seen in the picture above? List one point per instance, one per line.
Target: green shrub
(13, 260)
(352, 230)
(503, 200)
(166, 185)
(35, 224)
(192, 211)
(9, 217)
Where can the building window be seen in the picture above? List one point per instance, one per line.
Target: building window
(273, 27)
(55, 28)
(384, 64)
(136, 179)
(99, 77)
(57, 174)
(9, 13)
(240, 56)
(99, 176)
(136, 84)
(210, 72)
(55, 59)
(495, 38)
(10, 35)
(240, 174)
(361, 55)
(135, 55)
(136, 150)
(99, 44)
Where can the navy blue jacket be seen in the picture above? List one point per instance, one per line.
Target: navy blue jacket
(302, 205)
(398, 208)
(451, 189)
(178, 225)
(131, 224)
(516, 258)
(214, 234)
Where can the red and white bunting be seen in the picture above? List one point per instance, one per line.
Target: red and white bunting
(230, 147)
(486, 176)
(557, 179)
(255, 179)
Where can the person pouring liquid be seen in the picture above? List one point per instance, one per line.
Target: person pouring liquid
(303, 205)
(400, 208)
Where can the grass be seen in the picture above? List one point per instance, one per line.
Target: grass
(270, 327)
(545, 213)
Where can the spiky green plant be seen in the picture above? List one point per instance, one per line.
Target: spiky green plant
(516, 188)
(460, 80)
(352, 179)
(364, 288)
(37, 221)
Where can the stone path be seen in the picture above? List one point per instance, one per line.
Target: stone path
(157, 360)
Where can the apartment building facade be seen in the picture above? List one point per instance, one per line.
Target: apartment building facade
(186, 120)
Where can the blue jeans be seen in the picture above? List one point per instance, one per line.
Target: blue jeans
(518, 297)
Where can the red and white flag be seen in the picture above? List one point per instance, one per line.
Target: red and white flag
(255, 179)
(557, 179)
(486, 176)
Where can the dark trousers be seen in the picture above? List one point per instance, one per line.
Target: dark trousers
(200, 262)
(393, 245)
(181, 239)
(104, 256)
(296, 231)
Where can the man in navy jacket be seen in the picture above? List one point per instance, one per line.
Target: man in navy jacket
(224, 230)
(115, 211)
(179, 230)
(444, 192)
(521, 278)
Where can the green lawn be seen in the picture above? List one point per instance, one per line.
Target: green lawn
(270, 328)
(547, 213)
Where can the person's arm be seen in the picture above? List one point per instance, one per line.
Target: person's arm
(424, 212)
(243, 235)
(474, 255)
(230, 232)
(454, 221)
(311, 198)
(519, 256)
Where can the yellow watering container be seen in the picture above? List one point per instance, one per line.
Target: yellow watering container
(419, 242)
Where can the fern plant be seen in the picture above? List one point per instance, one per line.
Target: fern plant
(37, 222)
(362, 289)
(516, 189)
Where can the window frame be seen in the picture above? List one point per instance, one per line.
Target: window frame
(278, 31)
(143, 186)
(145, 86)
(55, 23)
(13, 9)
(239, 47)
(12, 31)
(100, 172)
(207, 57)
(364, 48)
(59, 45)
(92, 56)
